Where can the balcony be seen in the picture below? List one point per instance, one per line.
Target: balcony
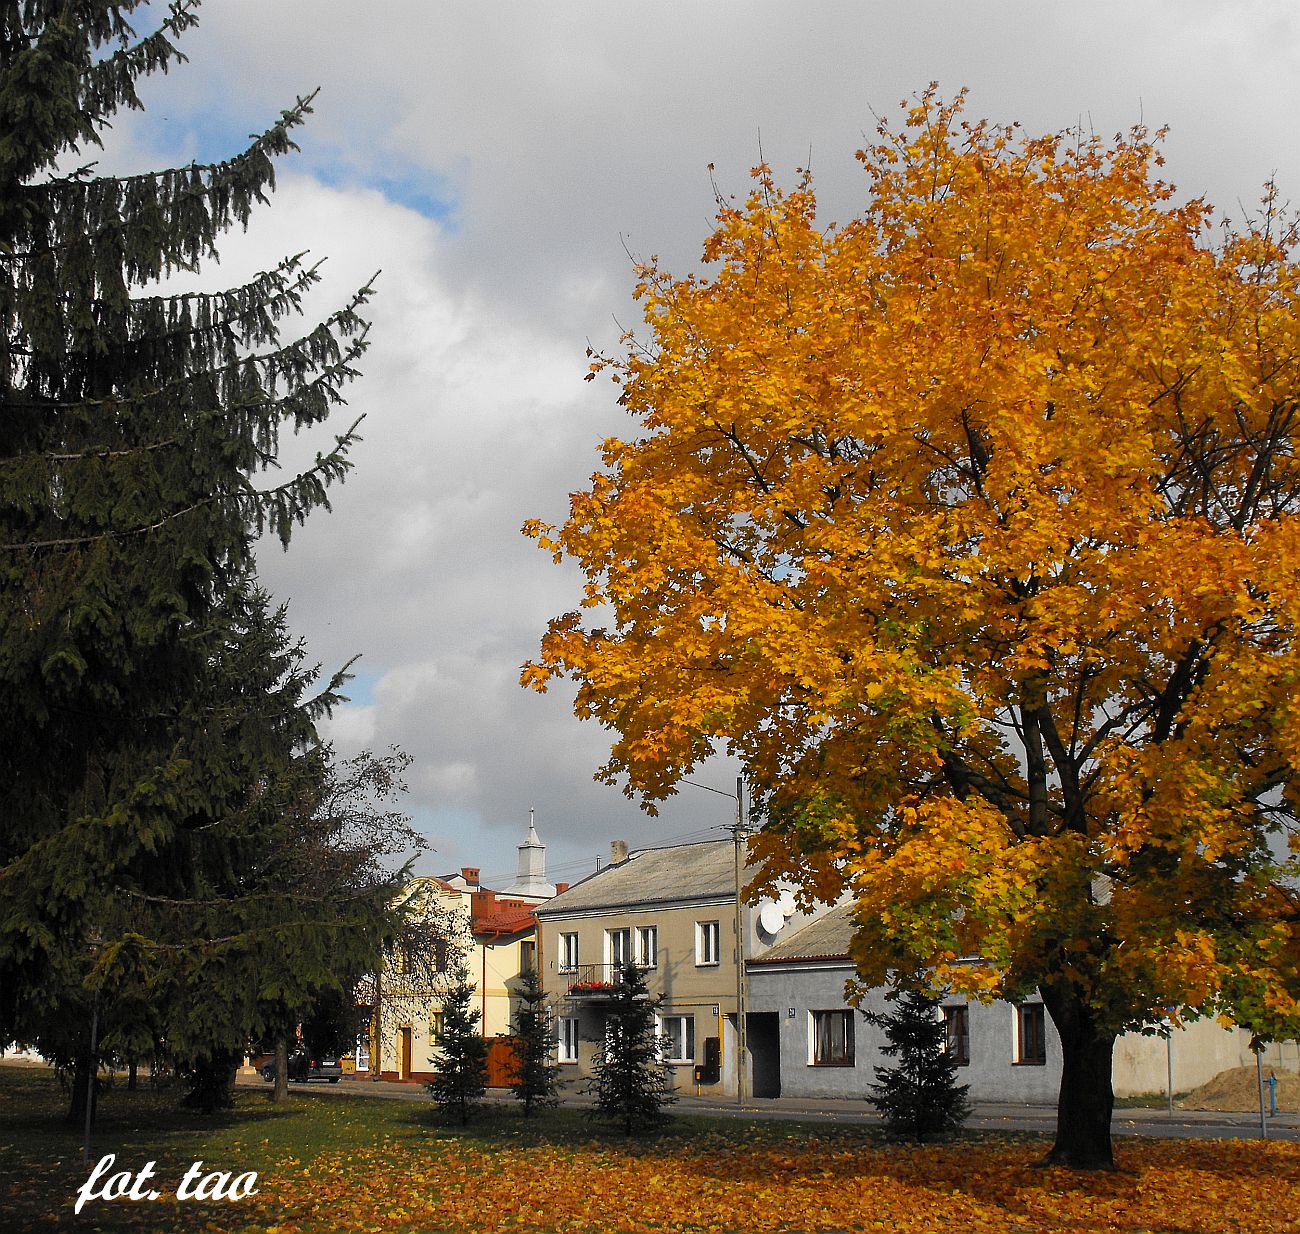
(590, 982)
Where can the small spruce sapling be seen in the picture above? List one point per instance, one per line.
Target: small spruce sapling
(918, 1096)
(631, 1081)
(460, 1062)
(537, 1075)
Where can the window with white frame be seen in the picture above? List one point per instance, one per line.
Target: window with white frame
(568, 953)
(618, 949)
(831, 1038)
(1031, 1034)
(708, 940)
(647, 946)
(678, 1036)
(566, 1037)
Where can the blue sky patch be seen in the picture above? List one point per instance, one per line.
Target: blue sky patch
(360, 690)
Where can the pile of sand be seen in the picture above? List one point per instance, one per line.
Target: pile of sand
(1238, 1090)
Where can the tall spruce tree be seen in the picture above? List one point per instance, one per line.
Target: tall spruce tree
(537, 1074)
(918, 1096)
(630, 1078)
(134, 424)
(460, 1063)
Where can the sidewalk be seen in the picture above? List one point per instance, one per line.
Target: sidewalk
(985, 1116)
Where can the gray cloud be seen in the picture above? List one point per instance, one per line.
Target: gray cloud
(495, 159)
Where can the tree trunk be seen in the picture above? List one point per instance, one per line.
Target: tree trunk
(81, 1075)
(132, 1068)
(1086, 1102)
(281, 1090)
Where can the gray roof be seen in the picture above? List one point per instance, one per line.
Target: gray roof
(653, 876)
(824, 938)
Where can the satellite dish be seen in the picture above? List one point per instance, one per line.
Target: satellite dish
(770, 917)
(786, 903)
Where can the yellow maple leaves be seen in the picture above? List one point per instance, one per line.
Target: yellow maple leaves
(975, 515)
(815, 1184)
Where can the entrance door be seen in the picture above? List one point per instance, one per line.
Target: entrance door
(404, 1052)
(763, 1036)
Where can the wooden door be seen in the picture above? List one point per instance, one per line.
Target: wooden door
(404, 1063)
(502, 1063)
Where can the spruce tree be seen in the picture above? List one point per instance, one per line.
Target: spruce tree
(134, 424)
(537, 1074)
(918, 1096)
(460, 1062)
(631, 1081)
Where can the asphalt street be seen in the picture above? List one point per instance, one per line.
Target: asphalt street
(985, 1116)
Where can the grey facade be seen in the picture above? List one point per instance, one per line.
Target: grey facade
(797, 981)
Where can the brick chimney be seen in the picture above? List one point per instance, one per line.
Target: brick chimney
(561, 888)
(617, 852)
(470, 874)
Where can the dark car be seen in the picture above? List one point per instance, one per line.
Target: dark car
(303, 1068)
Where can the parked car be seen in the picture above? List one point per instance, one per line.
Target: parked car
(303, 1068)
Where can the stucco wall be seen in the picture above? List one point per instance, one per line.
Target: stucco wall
(1199, 1051)
(993, 1074)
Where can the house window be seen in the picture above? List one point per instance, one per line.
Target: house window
(618, 947)
(527, 957)
(1031, 1034)
(568, 953)
(439, 955)
(567, 1039)
(956, 1024)
(678, 1038)
(832, 1038)
(435, 1027)
(707, 939)
(647, 946)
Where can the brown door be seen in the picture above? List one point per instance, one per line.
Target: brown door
(405, 1046)
(502, 1064)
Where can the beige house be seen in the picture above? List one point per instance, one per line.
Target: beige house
(672, 912)
(493, 934)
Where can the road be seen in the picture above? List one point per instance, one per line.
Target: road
(985, 1116)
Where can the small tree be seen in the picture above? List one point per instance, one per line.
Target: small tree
(537, 1076)
(919, 1096)
(461, 1058)
(631, 1078)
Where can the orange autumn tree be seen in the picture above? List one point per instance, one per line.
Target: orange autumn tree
(971, 527)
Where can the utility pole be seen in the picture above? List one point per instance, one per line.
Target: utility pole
(738, 836)
(742, 1044)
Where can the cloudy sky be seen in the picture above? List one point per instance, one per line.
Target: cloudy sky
(499, 162)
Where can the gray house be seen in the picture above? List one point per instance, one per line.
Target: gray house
(806, 1041)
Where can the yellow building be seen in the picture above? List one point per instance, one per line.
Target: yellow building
(493, 935)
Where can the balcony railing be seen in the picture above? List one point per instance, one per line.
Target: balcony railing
(591, 981)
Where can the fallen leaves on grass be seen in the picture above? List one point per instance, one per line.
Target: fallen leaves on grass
(1169, 1188)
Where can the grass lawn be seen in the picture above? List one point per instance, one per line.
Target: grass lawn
(330, 1164)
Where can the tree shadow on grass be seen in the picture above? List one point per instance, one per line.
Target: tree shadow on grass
(41, 1169)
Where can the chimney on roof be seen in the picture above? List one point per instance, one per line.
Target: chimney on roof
(617, 852)
(470, 875)
(561, 888)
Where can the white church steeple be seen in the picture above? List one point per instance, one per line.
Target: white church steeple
(530, 874)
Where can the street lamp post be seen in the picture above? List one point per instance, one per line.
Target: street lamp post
(738, 836)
